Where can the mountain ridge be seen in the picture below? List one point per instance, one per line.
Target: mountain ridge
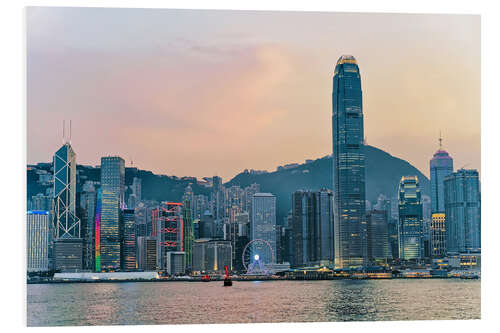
(383, 173)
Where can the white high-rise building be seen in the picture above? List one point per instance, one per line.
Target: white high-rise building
(263, 225)
(37, 240)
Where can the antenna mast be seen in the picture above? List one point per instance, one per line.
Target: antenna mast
(440, 140)
(70, 131)
(64, 125)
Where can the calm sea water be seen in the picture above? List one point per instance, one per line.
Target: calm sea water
(251, 302)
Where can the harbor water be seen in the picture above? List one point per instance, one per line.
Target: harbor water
(133, 303)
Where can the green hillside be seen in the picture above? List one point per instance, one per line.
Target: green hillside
(383, 173)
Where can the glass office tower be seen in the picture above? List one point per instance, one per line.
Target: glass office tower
(411, 240)
(441, 165)
(348, 165)
(188, 235)
(128, 246)
(67, 224)
(377, 236)
(462, 199)
(67, 244)
(112, 198)
(263, 225)
(438, 235)
(312, 228)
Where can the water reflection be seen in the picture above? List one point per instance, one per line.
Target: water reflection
(251, 302)
(351, 300)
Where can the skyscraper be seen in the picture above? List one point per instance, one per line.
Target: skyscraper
(128, 246)
(348, 165)
(37, 240)
(438, 235)
(87, 207)
(146, 253)
(218, 204)
(263, 225)
(112, 196)
(377, 236)
(312, 228)
(168, 227)
(66, 223)
(411, 240)
(249, 191)
(188, 232)
(237, 231)
(441, 165)
(97, 231)
(211, 255)
(206, 226)
(136, 195)
(462, 199)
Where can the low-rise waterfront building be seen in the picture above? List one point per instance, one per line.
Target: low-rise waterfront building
(176, 263)
(95, 276)
(68, 254)
(211, 255)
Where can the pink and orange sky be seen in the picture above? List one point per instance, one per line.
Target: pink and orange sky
(200, 93)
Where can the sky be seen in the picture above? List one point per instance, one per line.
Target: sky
(204, 92)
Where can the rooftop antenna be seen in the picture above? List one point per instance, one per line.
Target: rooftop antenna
(70, 131)
(63, 137)
(440, 140)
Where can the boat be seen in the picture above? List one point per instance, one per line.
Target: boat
(469, 275)
(205, 278)
(359, 276)
(227, 279)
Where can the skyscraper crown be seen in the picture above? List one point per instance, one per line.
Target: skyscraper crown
(441, 153)
(349, 59)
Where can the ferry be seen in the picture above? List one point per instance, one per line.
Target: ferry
(359, 276)
(469, 275)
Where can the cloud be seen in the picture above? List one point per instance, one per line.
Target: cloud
(181, 93)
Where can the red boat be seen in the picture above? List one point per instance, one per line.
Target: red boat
(227, 278)
(205, 278)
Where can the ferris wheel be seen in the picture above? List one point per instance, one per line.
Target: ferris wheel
(256, 255)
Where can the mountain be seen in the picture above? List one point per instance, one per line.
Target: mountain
(383, 173)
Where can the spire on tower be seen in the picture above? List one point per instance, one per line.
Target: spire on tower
(440, 140)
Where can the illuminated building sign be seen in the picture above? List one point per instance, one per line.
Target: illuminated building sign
(98, 232)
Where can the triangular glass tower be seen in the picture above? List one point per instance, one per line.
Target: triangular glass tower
(66, 223)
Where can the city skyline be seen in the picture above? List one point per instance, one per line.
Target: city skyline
(217, 136)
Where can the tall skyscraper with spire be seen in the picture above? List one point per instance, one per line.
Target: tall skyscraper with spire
(348, 165)
(441, 165)
(67, 224)
(67, 234)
